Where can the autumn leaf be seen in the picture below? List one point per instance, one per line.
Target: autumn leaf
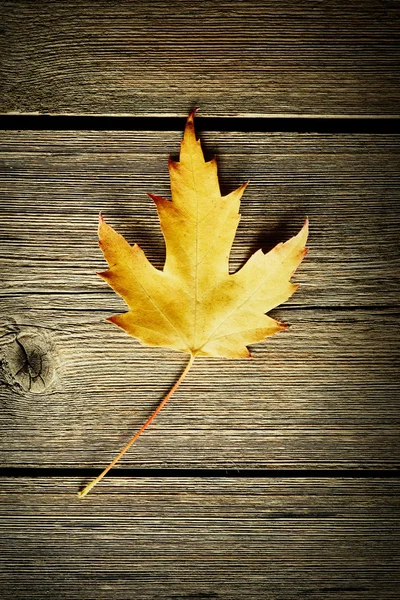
(194, 304)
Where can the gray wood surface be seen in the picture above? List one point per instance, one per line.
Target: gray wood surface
(230, 58)
(54, 184)
(200, 539)
(73, 388)
(323, 394)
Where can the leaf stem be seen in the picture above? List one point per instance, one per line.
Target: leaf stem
(91, 485)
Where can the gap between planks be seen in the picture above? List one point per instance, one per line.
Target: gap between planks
(294, 124)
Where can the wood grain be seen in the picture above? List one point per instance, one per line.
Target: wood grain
(53, 185)
(230, 58)
(323, 394)
(73, 388)
(200, 539)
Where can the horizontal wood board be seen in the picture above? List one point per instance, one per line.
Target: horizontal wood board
(323, 394)
(200, 539)
(53, 185)
(246, 58)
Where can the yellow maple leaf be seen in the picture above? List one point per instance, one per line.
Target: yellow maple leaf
(194, 304)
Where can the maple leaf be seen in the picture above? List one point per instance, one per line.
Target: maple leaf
(194, 304)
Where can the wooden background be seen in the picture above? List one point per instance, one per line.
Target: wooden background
(270, 478)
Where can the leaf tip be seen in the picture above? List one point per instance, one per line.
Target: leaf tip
(112, 319)
(301, 238)
(193, 113)
(102, 274)
(157, 199)
(189, 127)
(101, 222)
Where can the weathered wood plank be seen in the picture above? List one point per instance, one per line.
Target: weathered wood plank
(54, 183)
(323, 394)
(230, 58)
(74, 387)
(200, 539)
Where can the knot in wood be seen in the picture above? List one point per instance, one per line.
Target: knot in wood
(27, 358)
